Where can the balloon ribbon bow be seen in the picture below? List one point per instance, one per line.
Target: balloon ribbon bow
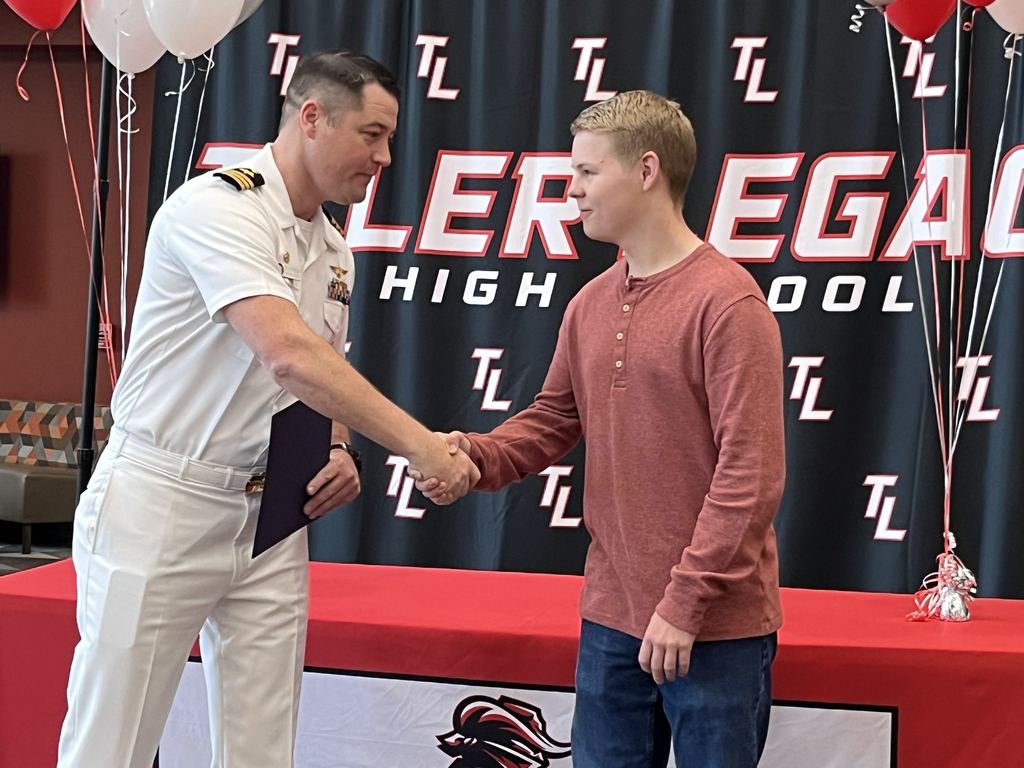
(945, 594)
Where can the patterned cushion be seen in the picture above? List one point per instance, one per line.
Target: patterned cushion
(46, 434)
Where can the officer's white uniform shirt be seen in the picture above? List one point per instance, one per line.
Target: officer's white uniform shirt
(190, 384)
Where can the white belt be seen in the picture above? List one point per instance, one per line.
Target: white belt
(249, 479)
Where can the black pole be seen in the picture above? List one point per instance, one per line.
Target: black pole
(92, 323)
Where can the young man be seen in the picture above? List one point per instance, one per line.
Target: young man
(669, 364)
(242, 309)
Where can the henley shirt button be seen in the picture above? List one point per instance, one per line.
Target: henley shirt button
(287, 257)
(618, 363)
(625, 307)
(619, 336)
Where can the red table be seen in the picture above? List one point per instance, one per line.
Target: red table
(958, 689)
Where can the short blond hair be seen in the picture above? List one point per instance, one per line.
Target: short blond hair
(643, 121)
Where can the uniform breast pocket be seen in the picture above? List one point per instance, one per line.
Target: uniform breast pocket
(335, 321)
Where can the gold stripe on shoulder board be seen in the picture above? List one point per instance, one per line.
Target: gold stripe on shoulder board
(242, 179)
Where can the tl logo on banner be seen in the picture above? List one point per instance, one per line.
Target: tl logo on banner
(556, 496)
(590, 68)
(752, 70)
(400, 487)
(488, 379)
(979, 384)
(919, 65)
(880, 507)
(432, 66)
(283, 64)
(806, 388)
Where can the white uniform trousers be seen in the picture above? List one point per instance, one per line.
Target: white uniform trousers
(161, 553)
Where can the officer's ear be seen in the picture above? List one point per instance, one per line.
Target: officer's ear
(311, 116)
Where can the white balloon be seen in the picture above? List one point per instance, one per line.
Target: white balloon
(121, 31)
(248, 9)
(189, 28)
(1008, 14)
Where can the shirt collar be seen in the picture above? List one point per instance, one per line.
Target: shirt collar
(280, 204)
(668, 272)
(274, 189)
(332, 234)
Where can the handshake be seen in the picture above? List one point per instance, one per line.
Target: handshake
(446, 475)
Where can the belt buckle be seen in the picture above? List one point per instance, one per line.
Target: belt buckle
(255, 483)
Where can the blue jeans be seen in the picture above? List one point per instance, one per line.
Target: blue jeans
(715, 717)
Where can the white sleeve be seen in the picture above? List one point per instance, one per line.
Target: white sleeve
(226, 244)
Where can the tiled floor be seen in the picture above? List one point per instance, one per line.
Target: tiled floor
(50, 542)
(11, 559)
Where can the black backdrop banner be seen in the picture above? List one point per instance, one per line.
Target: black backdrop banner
(468, 251)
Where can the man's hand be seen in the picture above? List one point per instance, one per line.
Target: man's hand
(456, 439)
(665, 651)
(336, 484)
(449, 478)
(432, 487)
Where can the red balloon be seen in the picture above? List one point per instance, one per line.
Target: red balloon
(979, 3)
(46, 15)
(919, 19)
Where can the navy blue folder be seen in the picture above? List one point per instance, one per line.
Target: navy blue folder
(300, 445)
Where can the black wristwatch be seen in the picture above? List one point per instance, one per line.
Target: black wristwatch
(356, 458)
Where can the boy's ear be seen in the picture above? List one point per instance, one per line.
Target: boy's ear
(650, 168)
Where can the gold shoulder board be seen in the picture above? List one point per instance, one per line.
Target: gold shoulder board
(241, 178)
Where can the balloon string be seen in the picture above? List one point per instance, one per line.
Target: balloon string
(947, 465)
(127, 197)
(970, 82)
(953, 263)
(100, 291)
(914, 238)
(961, 406)
(88, 106)
(184, 85)
(857, 18)
(121, 215)
(174, 132)
(67, 146)
(199, 112)
(936, 302)
(92, 133)
(956, 74)
(111, 359)
(947, 459)
(121, 212)
(22, 91)
(951, 579)
(968, 27)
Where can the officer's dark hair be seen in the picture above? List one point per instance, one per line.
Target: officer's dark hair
(337, 79)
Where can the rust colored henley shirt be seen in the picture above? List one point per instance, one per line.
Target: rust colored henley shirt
(674, 381)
